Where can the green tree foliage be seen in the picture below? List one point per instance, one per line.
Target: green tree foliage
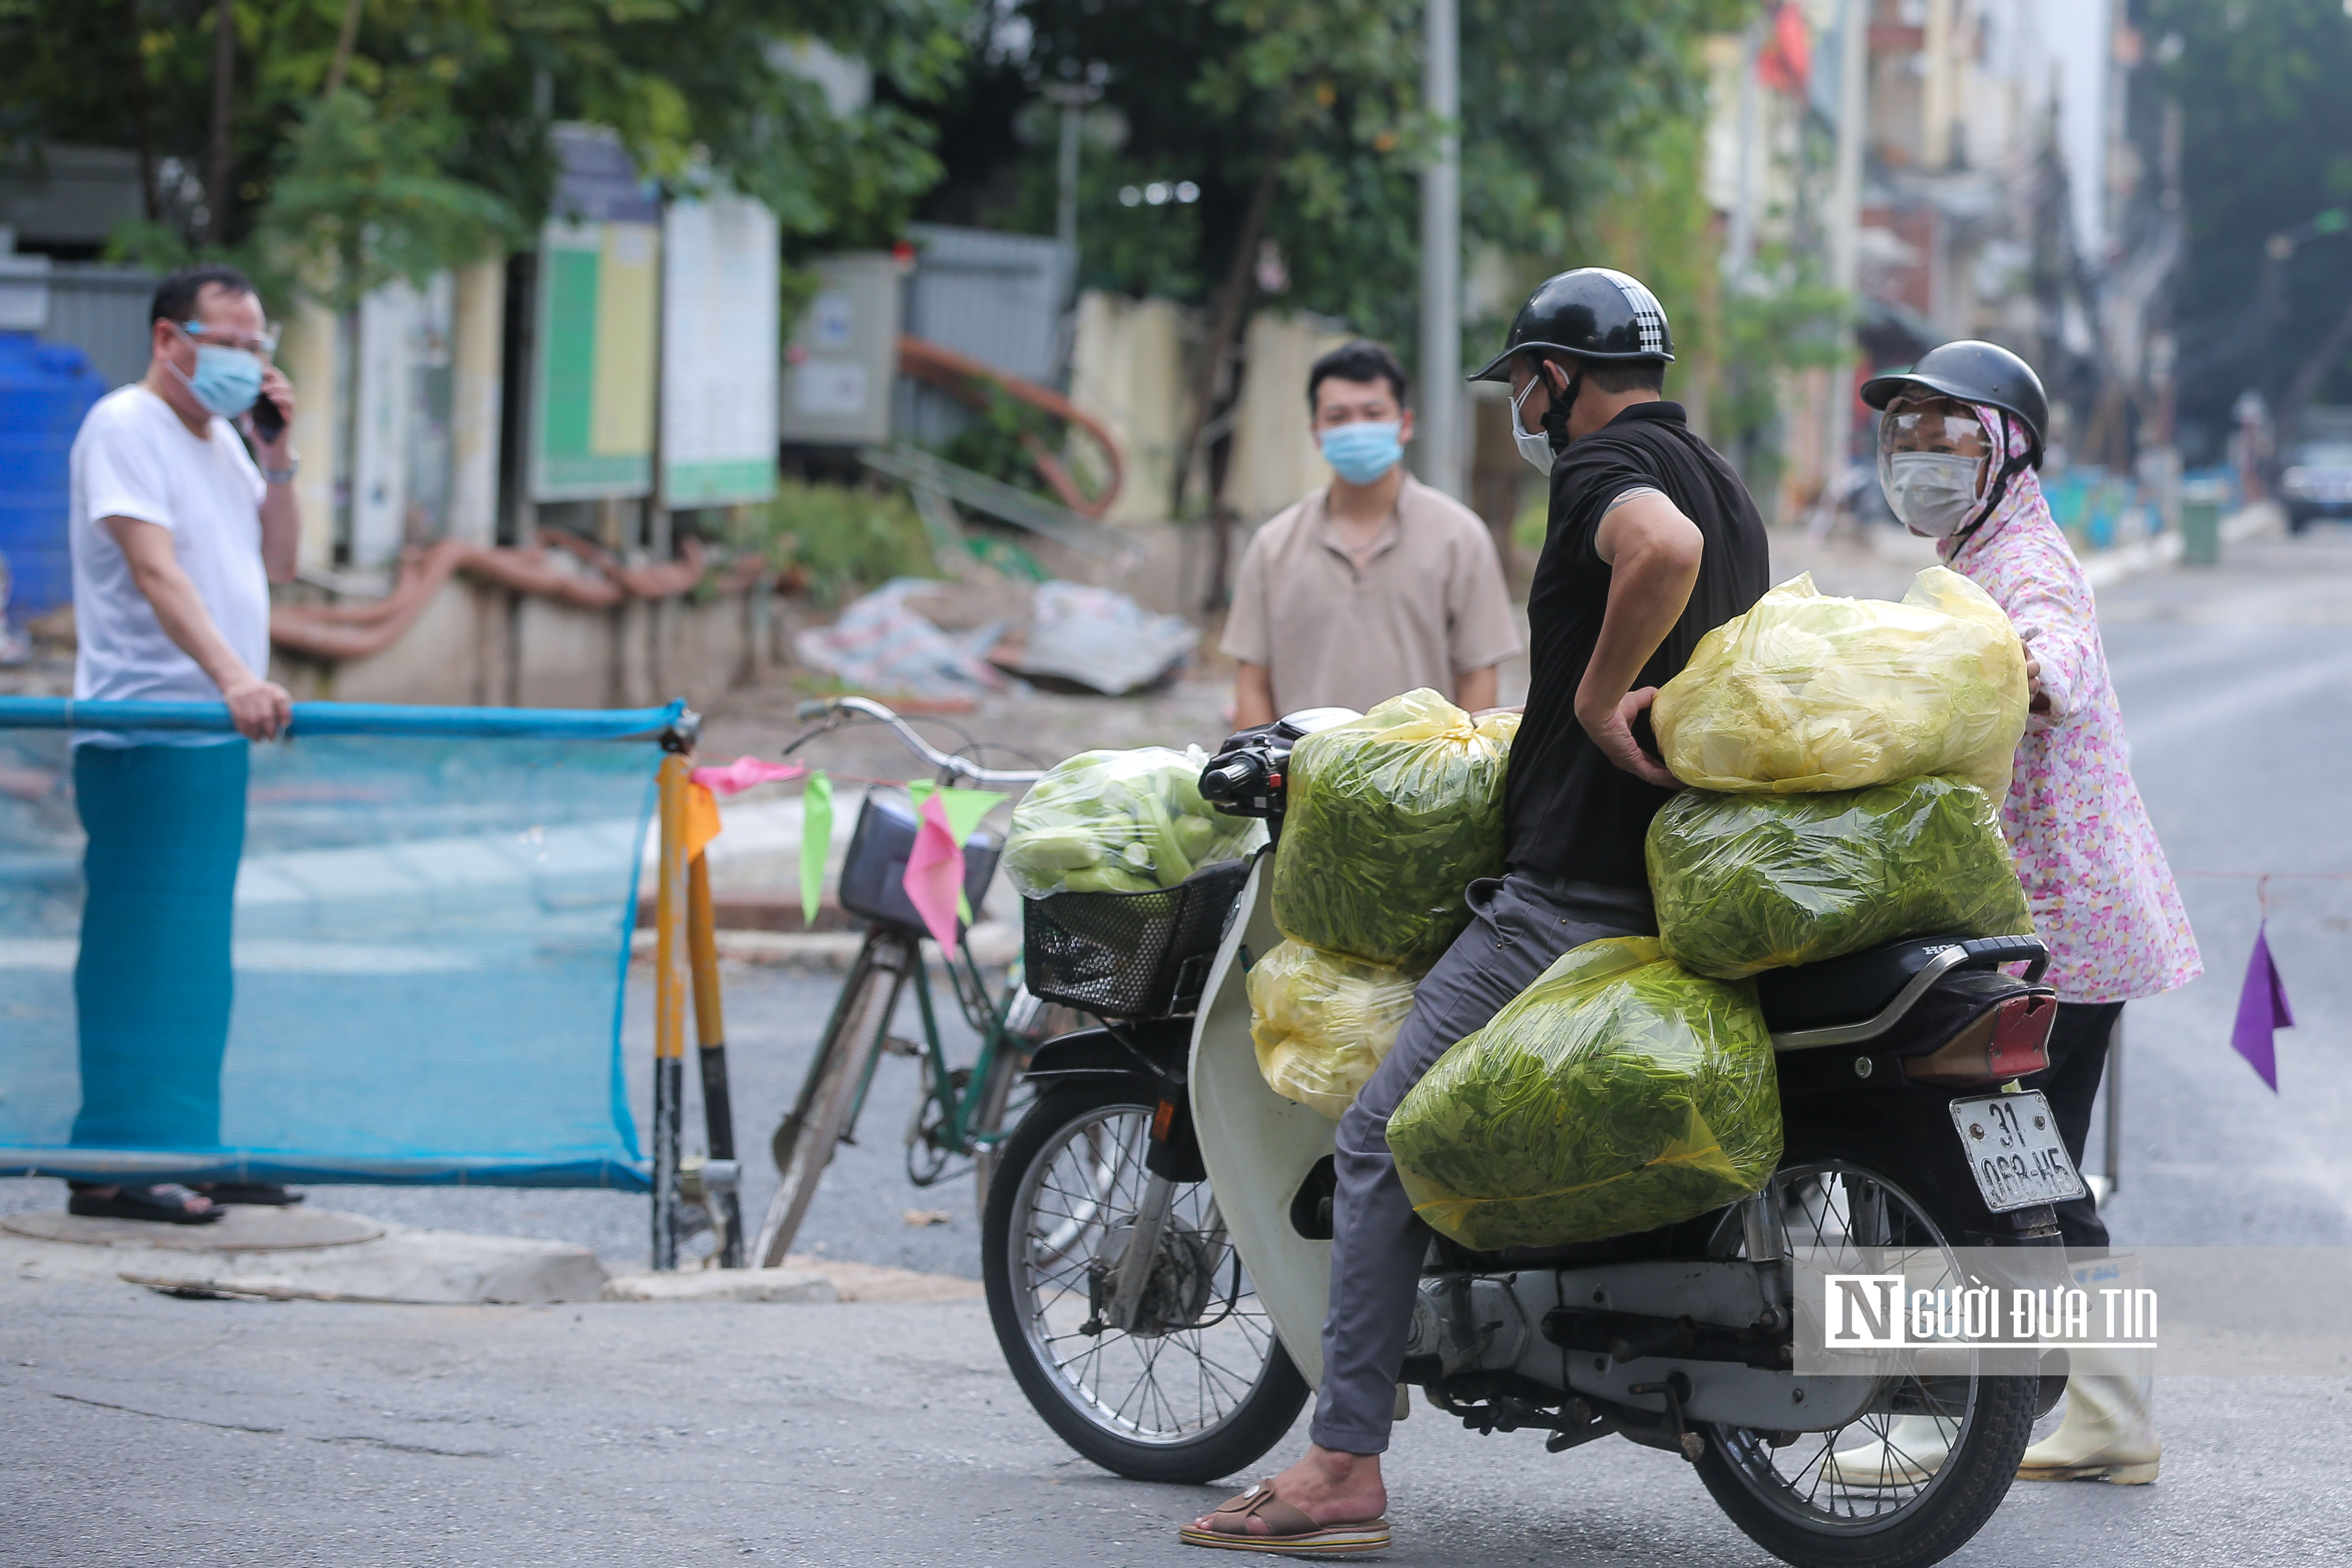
(2266, 147)
(1561, 109)
(363, 201)
(435, 144)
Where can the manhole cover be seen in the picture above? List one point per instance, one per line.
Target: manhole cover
(243, 1229)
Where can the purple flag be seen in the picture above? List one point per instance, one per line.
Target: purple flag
(2261, 1009)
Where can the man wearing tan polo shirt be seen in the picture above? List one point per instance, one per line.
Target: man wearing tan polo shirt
(1373, 586)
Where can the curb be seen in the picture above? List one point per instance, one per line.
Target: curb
(2125, 561)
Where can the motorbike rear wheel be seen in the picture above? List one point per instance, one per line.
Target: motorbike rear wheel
(1199, 1387)
(1932, 1458)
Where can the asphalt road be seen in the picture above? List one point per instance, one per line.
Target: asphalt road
(141, 1430)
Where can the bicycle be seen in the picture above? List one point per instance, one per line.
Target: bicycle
(964, 1111)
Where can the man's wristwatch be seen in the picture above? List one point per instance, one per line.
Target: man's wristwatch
(284, 476)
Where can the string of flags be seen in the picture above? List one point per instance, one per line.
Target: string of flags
(948, 817)
(934, 881)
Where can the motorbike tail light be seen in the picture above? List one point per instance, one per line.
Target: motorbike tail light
(2009, 1041)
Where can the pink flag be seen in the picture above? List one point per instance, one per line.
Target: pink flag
(744, 773)
(935, 872)
(2262, 1010)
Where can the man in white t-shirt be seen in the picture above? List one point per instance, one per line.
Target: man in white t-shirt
(176, 537)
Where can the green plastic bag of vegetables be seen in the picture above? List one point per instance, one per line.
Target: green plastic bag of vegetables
(1390, 817)
(1120, 822)
(1323, 1021)
(1749, 882)
(1808, 692)
(1618, 1093)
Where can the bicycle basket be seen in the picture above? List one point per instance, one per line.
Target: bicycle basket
(874, 874)
(1130, 955)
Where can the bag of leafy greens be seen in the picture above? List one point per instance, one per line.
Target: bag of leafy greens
(1747, 882)
(1323, 1021)
(1618, 1093)
(1808, 692)
(1120, 822)
(1389, 816)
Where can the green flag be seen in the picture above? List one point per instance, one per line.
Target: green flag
(816, 839)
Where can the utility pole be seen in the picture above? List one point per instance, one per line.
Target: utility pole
(1073, 97)
(1845, 218)
(217, 175)
(1439, 437)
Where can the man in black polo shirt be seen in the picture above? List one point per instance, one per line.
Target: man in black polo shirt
(1653, 541)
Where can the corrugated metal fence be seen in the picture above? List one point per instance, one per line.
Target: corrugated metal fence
(1002, 299)
(103, 311)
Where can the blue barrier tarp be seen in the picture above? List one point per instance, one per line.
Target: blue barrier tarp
(425, 958)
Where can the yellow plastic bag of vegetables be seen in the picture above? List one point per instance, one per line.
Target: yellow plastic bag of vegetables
(1808, 692)
(1120, 822)
(1746, 883)
(1618, 1093)
(1390, 817)
(1323, 1021)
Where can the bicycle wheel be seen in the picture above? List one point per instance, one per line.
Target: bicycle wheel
(1007, 1096)
(1918, 1473)
(805, 1141)
(1199, 1387)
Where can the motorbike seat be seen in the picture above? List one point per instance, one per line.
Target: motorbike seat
(1841, 995)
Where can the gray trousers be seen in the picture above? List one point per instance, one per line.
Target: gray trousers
(1519, 923)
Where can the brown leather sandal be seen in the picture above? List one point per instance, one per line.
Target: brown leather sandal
(1288, 1529)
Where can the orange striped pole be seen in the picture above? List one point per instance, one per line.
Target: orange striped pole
(720, 1194)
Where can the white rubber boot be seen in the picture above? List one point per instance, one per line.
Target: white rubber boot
(1914, 1448)
(2109, 1435)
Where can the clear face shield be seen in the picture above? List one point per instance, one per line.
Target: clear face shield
(1933, 463)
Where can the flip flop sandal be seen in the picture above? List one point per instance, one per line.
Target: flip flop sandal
(264, 1194)
(1289, 1532)
(163, 1202)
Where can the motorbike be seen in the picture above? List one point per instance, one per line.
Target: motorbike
(1156, 1243)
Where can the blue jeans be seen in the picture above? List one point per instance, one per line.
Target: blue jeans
(154, 983)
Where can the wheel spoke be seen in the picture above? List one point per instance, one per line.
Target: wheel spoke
(1200, 1345)
(1873, 1469)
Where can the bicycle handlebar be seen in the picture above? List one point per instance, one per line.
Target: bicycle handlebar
(830, 708)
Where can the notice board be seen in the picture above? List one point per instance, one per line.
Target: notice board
(592, 387)
(719, 352)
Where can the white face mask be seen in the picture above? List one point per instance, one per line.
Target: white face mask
(1932, 493)
(1534, 445)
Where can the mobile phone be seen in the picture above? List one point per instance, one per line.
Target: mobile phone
(268, 423)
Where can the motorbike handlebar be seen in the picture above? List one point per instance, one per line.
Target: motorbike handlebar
(1227, 781)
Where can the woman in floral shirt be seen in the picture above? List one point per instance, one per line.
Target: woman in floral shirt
(1957, 452)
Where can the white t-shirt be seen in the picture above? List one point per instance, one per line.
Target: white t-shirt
(134, 458)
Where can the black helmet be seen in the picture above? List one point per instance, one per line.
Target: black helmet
(1973, 372)
(1590, 313)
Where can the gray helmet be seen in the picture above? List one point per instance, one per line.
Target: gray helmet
(1973, 372)
(1590, 313)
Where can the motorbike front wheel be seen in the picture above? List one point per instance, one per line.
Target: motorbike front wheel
(1197, 1386)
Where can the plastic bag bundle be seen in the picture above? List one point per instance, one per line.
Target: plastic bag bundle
(1390, 817)
(1120, 822)
(1746, 883)
(1618, 1093)
(1323, 1021)
(1807, 692)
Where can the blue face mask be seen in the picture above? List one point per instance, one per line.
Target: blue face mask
(1362, 452)
(227, 380)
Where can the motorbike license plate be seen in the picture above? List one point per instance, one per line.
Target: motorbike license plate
(2014, 1151)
